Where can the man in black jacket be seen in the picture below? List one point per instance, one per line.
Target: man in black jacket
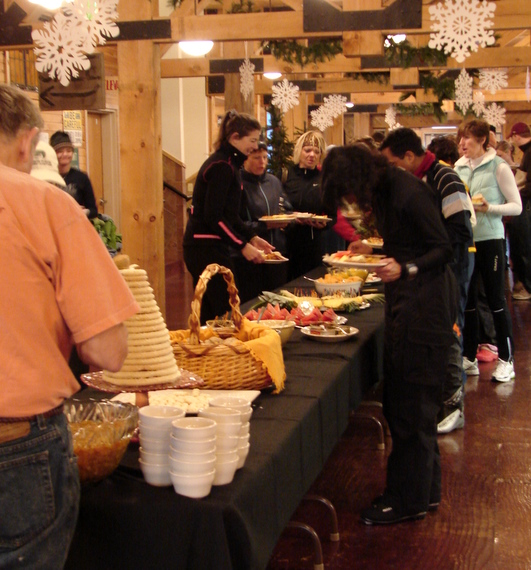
(519, 227)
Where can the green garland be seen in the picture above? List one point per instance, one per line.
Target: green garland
(292, 51)
(382, 78)
(243, 7)
(404, 55)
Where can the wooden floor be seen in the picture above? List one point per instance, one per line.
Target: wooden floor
(484, 521)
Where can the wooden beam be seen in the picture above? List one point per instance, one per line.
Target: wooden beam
(357, 44)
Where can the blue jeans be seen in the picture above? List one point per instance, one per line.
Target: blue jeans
(39, 496)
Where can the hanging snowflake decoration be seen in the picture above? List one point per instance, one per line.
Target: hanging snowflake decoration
(321, 118)
(463, 91)
(285, 95)
(478, 105)
(97, 17)
(461, 26)
(61, 47)
(336, 105)
(390, 118)
(58, 50)
(246, 78)
(494, 115)
(493, 79)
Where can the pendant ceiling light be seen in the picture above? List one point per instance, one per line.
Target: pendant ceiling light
(196, 48)
(48, 4)
(273, 75)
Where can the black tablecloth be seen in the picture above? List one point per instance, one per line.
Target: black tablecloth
(125, 523)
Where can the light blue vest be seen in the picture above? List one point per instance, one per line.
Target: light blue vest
(482, 180)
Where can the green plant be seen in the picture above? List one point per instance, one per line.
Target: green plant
(292, 51)
(277, 139)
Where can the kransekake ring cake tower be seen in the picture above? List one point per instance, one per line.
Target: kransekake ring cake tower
(150, 359)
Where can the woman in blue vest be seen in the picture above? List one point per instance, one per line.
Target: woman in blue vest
(494, 195)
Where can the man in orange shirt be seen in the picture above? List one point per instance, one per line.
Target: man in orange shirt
(53, 294)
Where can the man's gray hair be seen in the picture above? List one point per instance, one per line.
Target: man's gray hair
(17, 112)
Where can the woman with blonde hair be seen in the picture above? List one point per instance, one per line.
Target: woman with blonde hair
(302, 188)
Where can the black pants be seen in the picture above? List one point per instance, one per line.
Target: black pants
(215, 301)
(519, 234)
(490, 264)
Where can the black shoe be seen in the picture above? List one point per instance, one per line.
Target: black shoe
(383, 514)
(433, 505)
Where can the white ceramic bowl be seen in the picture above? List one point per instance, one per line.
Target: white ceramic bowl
(187, 446)
(351, 288)
(225, 470)
(155, 474)
(156, 458)
(159, 417)
(240, 404)
(154, 433)
(227, 443)
(246, 416)
(193, 428)
(154, 445)
(192, 457)
(244, 439)
(283, 328)
(228, 429)
(190, 468)
(221, 415)
(243, 452)
(194, 486)
(245, 429)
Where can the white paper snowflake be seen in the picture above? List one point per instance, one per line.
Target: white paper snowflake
(461, 26)
(59, 51)
(336, 105)
(246, 78)
(321, 118)
(478, 105)
(395, 126)
(390, 116)
(493, 79)
(463, 91)
(285, 95)
(61, 46)
(494, 115)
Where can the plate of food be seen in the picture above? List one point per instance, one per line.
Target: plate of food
(329, 332)
(373, 278)
(477, 199)
(278, 218)
(359, 261)
(374, 242)
(274, 257)
(318, 218)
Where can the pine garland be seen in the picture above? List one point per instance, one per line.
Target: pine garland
(292, 51)
(404, 55)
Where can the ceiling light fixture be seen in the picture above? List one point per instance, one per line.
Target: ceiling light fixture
(272, 75)
(196, 48)
(397, 38)
(349, 104)
(48, 4)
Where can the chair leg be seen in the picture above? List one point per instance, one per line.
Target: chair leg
(334, 535)
(318, 560)
(368, 416)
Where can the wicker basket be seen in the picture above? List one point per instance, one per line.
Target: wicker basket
(222, 366)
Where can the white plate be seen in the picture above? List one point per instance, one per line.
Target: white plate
(173, 397)
(373, 245)
(329, 336)
(275, 261)
(355, 264)
(372, 278)
(277, 218)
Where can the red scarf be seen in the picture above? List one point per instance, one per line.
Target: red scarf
(427, 161)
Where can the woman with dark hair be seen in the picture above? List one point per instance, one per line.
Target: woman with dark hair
(494, 195)
(420, 294)
(214, 225)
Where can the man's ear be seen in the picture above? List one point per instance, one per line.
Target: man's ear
(26, 148)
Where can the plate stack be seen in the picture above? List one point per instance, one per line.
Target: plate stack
(154, 433)
(193, 456)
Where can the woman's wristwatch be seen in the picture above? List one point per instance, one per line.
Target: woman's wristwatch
(409, 271)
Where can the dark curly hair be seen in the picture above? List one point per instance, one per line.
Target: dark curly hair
(351, 171)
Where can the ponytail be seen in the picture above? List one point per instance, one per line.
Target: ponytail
(234, 122)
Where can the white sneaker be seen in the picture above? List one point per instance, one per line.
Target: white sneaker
(470, 367)
(455, 420)
(504, 371)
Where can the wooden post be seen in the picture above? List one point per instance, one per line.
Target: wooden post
(141, 153)
(233, 96)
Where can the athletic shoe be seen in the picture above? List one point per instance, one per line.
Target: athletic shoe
(487, 353)
(454, 420)
(383, 514)
(504, 371)
(470, 368)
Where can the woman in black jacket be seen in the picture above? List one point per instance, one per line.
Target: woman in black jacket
(214, 225)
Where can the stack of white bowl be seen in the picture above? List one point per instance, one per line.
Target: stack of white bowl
(154, 433)
(232, 417)
(193, 456)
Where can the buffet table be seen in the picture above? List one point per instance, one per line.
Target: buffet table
(125, 523)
